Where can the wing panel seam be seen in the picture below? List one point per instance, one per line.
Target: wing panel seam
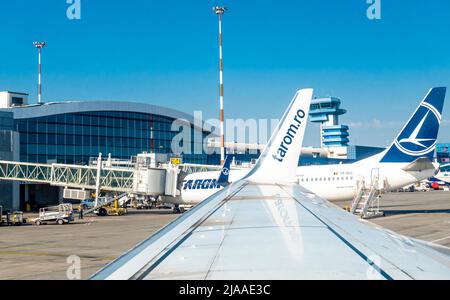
(345, 241)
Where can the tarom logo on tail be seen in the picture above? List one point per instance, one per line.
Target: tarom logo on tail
(418, 137)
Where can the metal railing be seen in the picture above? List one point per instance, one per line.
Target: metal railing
(75, 176)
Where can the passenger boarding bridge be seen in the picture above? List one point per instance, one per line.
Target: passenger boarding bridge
(140, 176)
(74, 176)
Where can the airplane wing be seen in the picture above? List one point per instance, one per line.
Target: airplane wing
(256, 231)
(266, 226)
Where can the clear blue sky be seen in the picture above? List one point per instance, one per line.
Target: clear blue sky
(165, 52)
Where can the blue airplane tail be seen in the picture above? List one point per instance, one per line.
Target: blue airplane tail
(225, 172)
(418, 136)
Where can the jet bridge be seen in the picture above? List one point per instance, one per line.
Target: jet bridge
(142, 177)
(137, 180)
(74, 176)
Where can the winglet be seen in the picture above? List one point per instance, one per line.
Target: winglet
(225, 172)
(279, 160)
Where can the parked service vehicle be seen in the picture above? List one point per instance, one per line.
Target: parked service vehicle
(421, 188)
(142, 202)
(15, 218)
(60, 214)
(408, 188)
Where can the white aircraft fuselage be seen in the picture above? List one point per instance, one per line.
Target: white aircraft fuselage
(339, 182)
(336, 182)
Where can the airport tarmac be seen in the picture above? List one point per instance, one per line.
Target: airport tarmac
(40, 252)
(32, 252)
(421, 215)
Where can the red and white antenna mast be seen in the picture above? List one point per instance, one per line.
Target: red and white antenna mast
(220, 10)
(39, 46)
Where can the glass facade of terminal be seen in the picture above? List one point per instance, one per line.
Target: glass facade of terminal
(9, 197)
(74, 138)
(355, 152)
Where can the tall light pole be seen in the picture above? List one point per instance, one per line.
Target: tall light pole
(39, 46)
(220, 10)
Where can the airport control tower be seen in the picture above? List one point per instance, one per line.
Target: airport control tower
(326, 111)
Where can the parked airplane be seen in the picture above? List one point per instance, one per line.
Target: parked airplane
(406, 161)
(267, 226)
(441, 178)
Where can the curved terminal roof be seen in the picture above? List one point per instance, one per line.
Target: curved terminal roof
(64, 107)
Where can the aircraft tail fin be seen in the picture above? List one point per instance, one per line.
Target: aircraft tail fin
(418, 136)
(225, 172)
(279, 160)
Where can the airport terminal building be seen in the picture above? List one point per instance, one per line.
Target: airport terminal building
(73, 132)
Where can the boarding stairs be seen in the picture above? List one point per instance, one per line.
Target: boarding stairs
(366, 203)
